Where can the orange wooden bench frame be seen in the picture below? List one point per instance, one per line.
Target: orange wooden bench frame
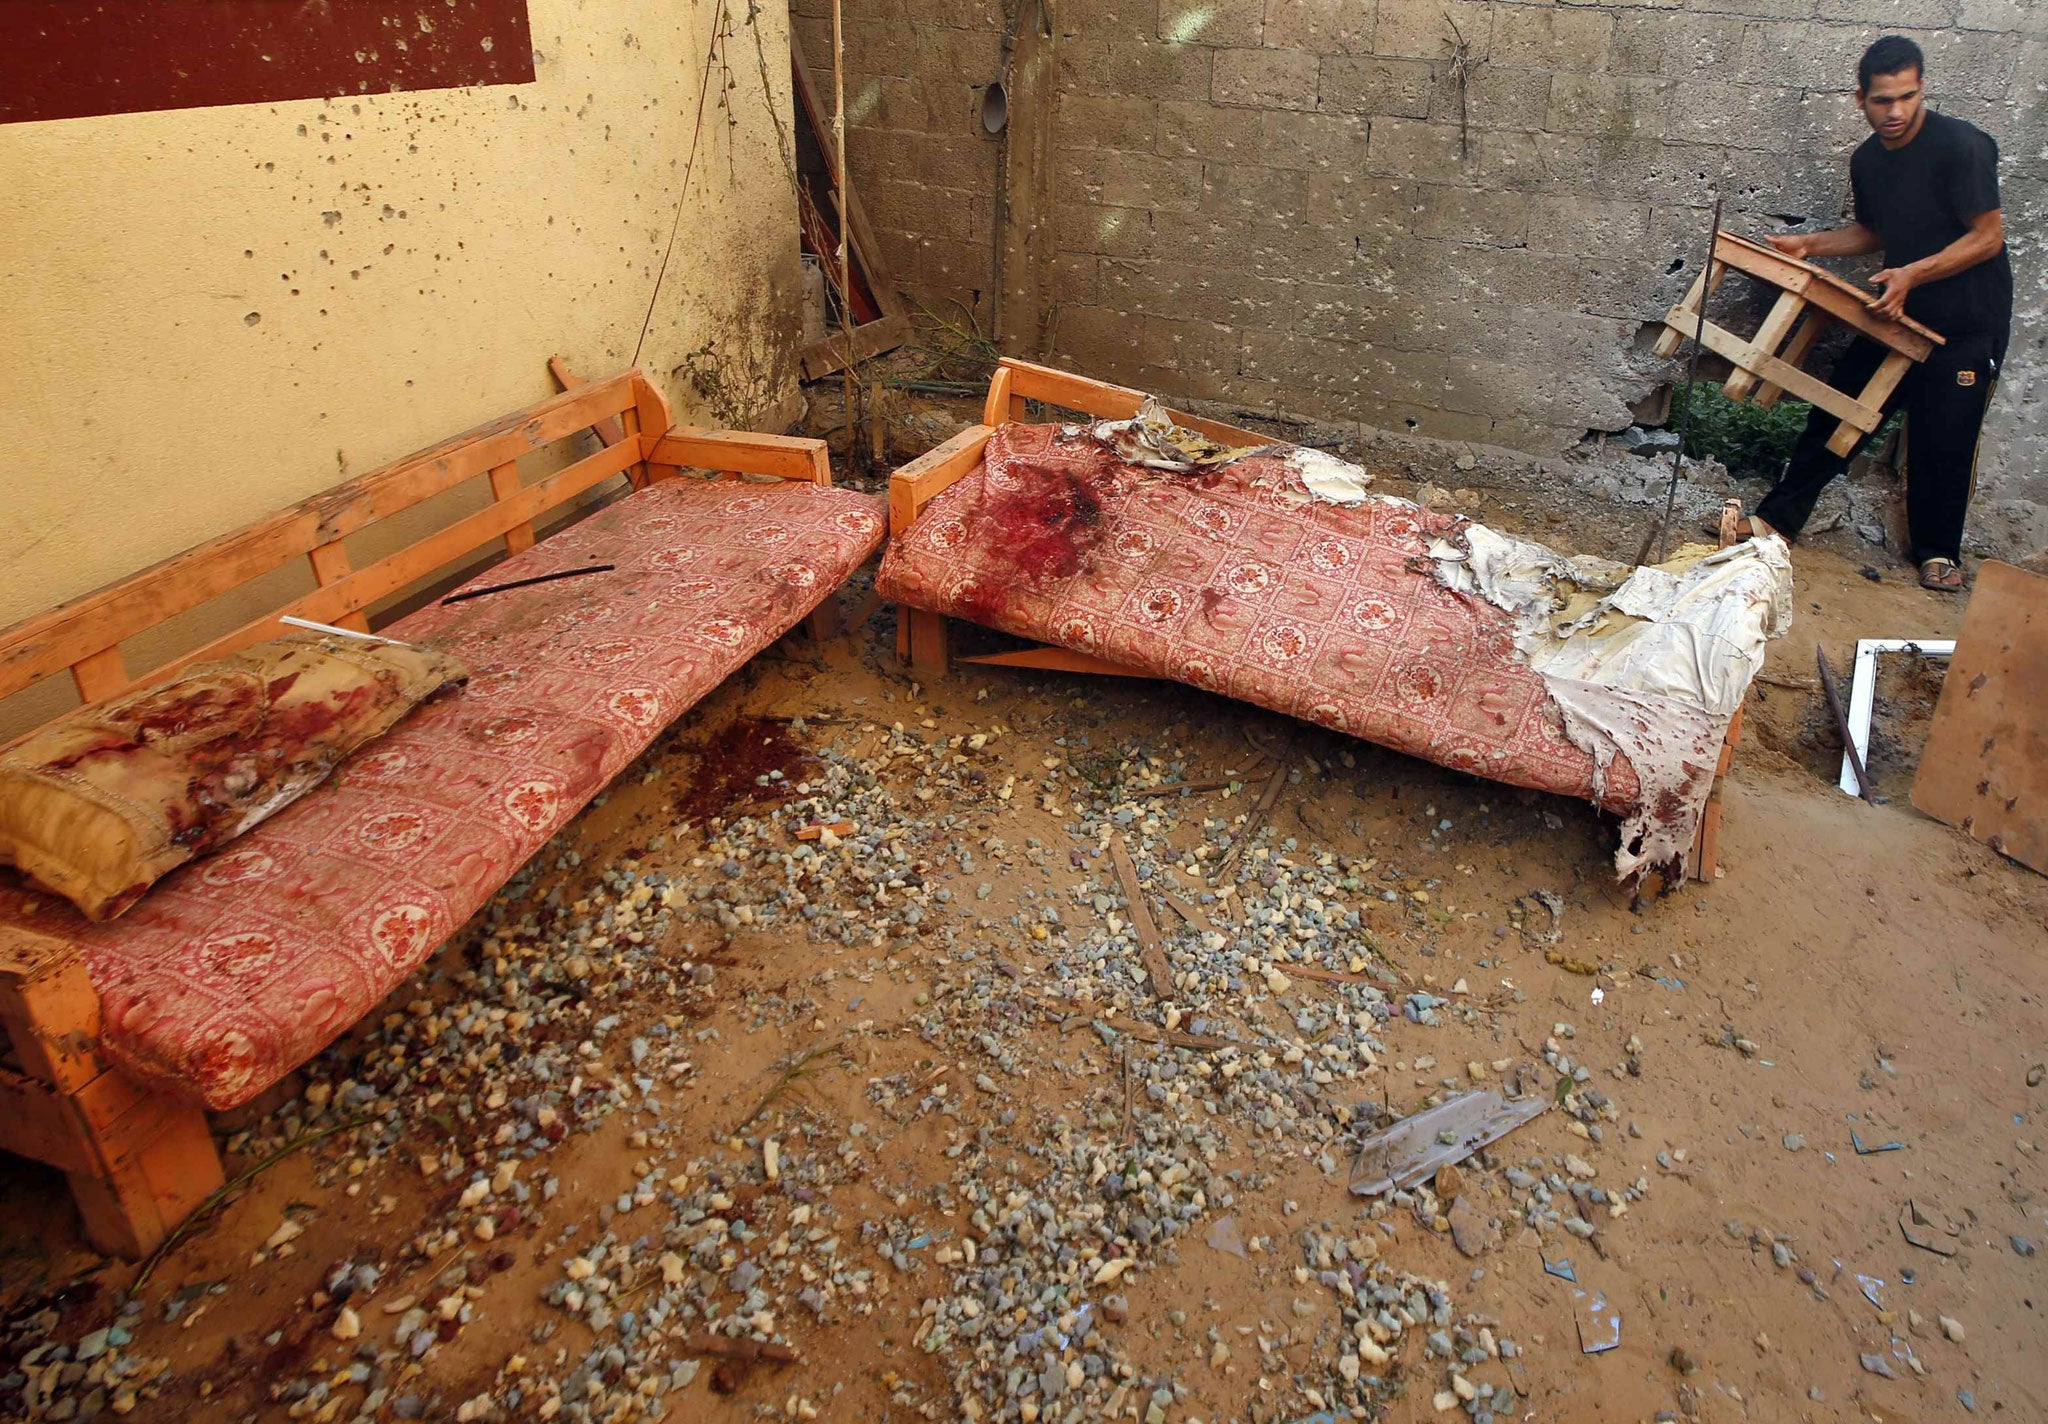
(140, 1162)
(921, 637)
(921, 634)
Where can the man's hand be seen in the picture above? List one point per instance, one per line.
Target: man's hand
(1895, 283)
(1792, 244)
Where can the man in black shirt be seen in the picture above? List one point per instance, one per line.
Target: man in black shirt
(1925, 188)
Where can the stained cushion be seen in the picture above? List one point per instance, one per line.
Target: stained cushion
(101, 803)
(1229, 579)
(236, 969)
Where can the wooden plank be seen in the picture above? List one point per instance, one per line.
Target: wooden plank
(1883, 381)
(912, 486)
(36, 1122)
(1811, 389)
(608, 431)
(1678, 322)
(1779, 269)
(1984, 769)
(927, 643)
(787, 457)
(49, 642)
(1150, 950)
(1058, 660)
(100, 675)
(48, 1008)
(866, 250)
(331, 565)
(367, 585)
(1109, 402)
(996, 409)
(505, 483)
(1824, 289)
(1777, 325)
(1795, 353)
(827, 356)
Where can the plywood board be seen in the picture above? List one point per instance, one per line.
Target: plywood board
(1985, 766)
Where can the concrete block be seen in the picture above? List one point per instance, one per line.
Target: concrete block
(1891, 15)
(1608, 105)
(1355, 205)
(1421, 29)
(1145, 180)
(1196, 128)
(1107, 19)
(1676, 45)
(1470, 215)
(1737, 116)
(929, 212)
(1767, 9)
(1495, 98)
(885, 102)
(1184, 291)
(1984, 66)
(1551, 37)
(1141, 69)
(1105, 231)
(1312, 142)
(1423, 152)
(1096, 340)
(1189, 348)
(1210, 22)
(1399, 87)
(1265, 78)
(1253, 191)
(1321, 26)
(1256, 245)
(1108, 121)
(1074, 279)
(946, 263)
(1807, 56)
(1657, 172)
(1581, 223)
(2025, 17)
(942, 161)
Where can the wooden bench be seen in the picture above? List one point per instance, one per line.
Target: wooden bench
(91, 1080)
(921, 633)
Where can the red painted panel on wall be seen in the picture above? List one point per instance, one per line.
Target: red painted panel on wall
(65, 59)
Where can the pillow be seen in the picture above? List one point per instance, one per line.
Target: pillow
(100, 803)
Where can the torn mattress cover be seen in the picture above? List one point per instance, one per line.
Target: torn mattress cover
(1275, 575)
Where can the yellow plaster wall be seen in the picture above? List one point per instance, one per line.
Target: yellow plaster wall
(207, 314)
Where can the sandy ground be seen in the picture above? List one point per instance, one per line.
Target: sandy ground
(1857, 970)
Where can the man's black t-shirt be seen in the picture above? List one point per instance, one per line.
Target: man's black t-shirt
(1918, 199)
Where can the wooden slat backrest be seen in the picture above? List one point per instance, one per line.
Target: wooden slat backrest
(1097, 398)
(85, 634)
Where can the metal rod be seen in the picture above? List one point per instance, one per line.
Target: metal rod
(1692, 375)
(340, 632)
(469, 593)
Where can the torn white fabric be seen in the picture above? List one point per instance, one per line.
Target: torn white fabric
(1702, 632)
(1653, 669)
(1327, 477)
(1673, 746)
(1153, 439)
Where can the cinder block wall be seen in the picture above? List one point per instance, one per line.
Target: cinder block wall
(1313, 206)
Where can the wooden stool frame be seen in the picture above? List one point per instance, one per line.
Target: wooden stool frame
(1810, 301)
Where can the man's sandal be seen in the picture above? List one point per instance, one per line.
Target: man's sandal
(1746, 528)
(1942, 575)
